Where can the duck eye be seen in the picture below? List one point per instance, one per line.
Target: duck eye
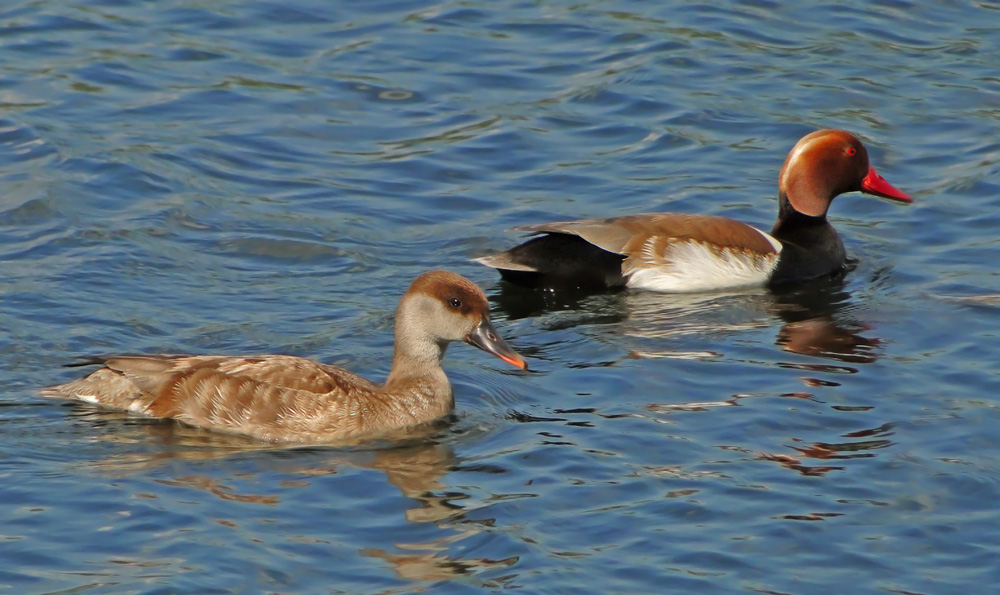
(455, 303)
(851, 151)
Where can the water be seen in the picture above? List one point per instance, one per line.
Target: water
(245, 177)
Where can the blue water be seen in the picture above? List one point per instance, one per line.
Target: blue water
(248, 177)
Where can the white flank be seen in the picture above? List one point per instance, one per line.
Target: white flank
(88, 399)
(695, 266)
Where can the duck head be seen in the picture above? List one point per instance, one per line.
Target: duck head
(441, 307)
(825, 164)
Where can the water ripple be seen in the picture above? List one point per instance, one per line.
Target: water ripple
(249, 176)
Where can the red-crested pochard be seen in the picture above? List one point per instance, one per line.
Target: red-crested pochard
(675, 252)
(282, 398)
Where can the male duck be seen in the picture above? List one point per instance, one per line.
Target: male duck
(674, 252)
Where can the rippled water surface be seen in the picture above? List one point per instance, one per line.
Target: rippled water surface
(247, 177)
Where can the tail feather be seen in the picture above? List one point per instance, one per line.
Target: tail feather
(105, 387)
(503, 262)
(94, 360)
(55, 392)
(87, 360)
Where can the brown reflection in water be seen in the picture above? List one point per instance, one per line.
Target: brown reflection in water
(417, 468)
(823, 337)
(827, 451)
(436, 566)
(795, 464)
(816, 324)
(216, 488)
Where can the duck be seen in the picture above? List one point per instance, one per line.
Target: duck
(680, 252)
(282, 398)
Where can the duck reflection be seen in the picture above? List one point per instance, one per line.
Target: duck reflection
(816, 323)
(815, 320)
(438, 566)
(417, 466)
(878, 439)
(816, 317)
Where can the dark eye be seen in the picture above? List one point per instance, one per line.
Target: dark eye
(455, 303)
(851, 151)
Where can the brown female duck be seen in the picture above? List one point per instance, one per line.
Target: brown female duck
(282, 398)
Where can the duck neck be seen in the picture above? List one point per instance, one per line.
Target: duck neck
(409, 363)
(417, 355)
(810, 245)
(797, 228)
(417, 384)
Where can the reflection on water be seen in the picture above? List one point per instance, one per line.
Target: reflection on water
(824, 337)
(436, 566)
(815, 317)
(832, 451)
(817, 323)
(418, 469)
(814, 320)
(988, 300)
(248, 176)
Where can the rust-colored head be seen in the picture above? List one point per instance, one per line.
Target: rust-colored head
(827, 163)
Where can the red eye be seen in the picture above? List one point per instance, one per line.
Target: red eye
(851, 151)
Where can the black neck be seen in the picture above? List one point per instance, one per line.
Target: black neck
(810, 245)
(793, 226)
